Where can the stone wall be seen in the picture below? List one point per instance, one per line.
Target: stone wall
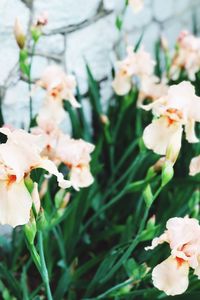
(80, 30)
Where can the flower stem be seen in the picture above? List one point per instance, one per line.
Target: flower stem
(29, 85)
(44, 271)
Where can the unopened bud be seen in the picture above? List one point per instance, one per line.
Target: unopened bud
(167, 173)
(19, 34)
(36, 33)
(42, 19)
(43, 189)
(174, 147)
(61, 199)
(164, 43)
(148, 196)
(159, 164)
(151, 222)
(42, 222)
(30, 230)
(66, 200)
(36, 198)
(151, 173)
(104, 119)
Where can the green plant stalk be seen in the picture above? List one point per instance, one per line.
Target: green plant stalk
(29, 85)
(34, 254)
(43, 271)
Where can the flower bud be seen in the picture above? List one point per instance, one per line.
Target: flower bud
(148, 196)
(19, 34)
(167, 173)
(171, 154)
(30, 230)
(44, 188)
(36, 33)
(42, 222)
(164, 43)
(36, 198)
(61, 199)
(151, 172)
(42, 19)
(104, 119)
(159, 164)
(151, 222)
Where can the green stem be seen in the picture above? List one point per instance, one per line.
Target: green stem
(34, 254)
(44, 271)
(29, 85)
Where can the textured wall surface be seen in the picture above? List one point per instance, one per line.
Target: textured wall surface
(79, 30)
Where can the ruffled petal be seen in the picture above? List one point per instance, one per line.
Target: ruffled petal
(160, 134)
(197, 269)
(157, 241)
(49, 166)
(190, 132)
(72, 100)
(195, 166)
(121, 85)
(81, 177)
(51, 113)
(171, 276)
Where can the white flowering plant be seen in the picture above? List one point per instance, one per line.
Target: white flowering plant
(87, 210)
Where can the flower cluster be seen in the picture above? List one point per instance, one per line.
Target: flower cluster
(19, 155)
(137, 69)
(177, 109)
(186, 57)
(59, 147)
(46, 146)
(183, 237)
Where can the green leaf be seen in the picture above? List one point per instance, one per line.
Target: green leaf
(62, 285)
(10, 281)
(118, 22)
(94, 90)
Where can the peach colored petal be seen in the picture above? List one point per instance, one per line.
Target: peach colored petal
(194, 166)
(15, 204)
(171, 277)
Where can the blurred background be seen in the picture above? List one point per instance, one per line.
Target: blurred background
(80, 31)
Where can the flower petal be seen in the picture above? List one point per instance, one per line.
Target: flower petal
(171, 276)
(159, 134)
(190, 132)
(81, 177)
(49, 166)
(15, 203)
(121, 85)
(195, 166)
(157, 241)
